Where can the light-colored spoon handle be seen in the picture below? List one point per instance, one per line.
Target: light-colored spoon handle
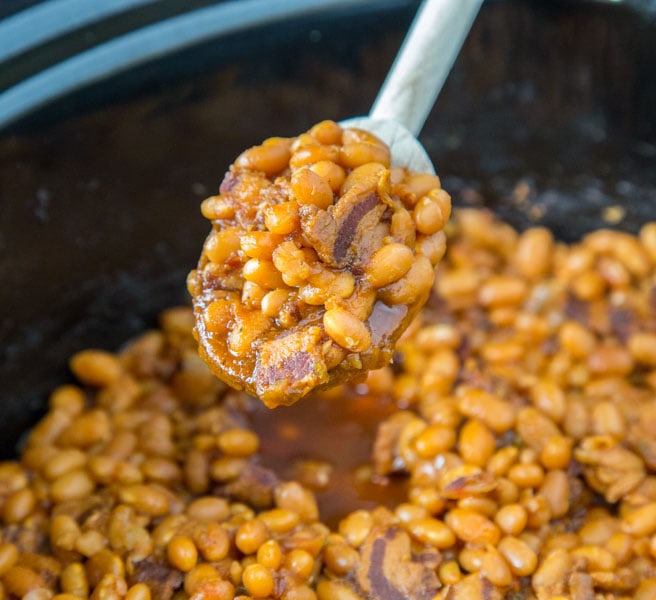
(424, 61)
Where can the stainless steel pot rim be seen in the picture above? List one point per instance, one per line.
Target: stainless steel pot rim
(33, 27)
(36, 25)
(50, 19)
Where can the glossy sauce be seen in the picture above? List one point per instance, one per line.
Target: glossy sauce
(336, 431)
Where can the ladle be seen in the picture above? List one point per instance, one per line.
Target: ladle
(416, 78)
(324, 345)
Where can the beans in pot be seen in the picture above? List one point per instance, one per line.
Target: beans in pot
(491, 473)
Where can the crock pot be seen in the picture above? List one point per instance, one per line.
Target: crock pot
(118, 118)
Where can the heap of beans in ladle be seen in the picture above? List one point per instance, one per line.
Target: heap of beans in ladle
(321, 253)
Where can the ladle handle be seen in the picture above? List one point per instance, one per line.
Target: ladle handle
(428, 52)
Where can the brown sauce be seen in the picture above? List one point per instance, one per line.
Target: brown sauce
(338, 431)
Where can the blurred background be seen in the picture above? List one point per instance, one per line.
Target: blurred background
(118, 118)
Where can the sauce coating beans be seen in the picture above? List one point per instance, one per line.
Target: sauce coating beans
(320, 256)
(493, 474)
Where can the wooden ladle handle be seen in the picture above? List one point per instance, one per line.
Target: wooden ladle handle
(428, 52)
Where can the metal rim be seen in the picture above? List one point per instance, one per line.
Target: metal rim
(141, 45)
